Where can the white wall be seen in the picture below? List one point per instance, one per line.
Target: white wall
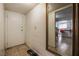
(36, 29)
(1, 29)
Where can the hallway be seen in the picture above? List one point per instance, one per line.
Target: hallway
(47, 31)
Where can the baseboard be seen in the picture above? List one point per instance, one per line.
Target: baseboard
(14, 46)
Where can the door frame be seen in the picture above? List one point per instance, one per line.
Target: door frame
(76, 29)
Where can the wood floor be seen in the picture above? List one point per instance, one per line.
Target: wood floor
(20, 50)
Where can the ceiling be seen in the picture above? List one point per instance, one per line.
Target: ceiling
(19, 7)
(54, 6)
(65, 14)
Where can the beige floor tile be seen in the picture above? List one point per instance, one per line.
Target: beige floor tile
(20, 50)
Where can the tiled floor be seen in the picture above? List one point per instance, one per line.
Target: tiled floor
(20, 50)
(63, 46)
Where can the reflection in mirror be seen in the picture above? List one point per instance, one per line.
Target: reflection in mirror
(60, 28)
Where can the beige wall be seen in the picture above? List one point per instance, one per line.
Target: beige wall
(1, 29)
(51, 29)
(36, 29)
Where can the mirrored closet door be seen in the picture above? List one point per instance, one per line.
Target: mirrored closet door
(60, 28)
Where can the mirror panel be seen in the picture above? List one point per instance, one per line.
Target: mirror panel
(60, 28)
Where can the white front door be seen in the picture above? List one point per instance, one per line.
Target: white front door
(14, 29)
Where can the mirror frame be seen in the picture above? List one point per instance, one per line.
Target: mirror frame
(75, 38)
